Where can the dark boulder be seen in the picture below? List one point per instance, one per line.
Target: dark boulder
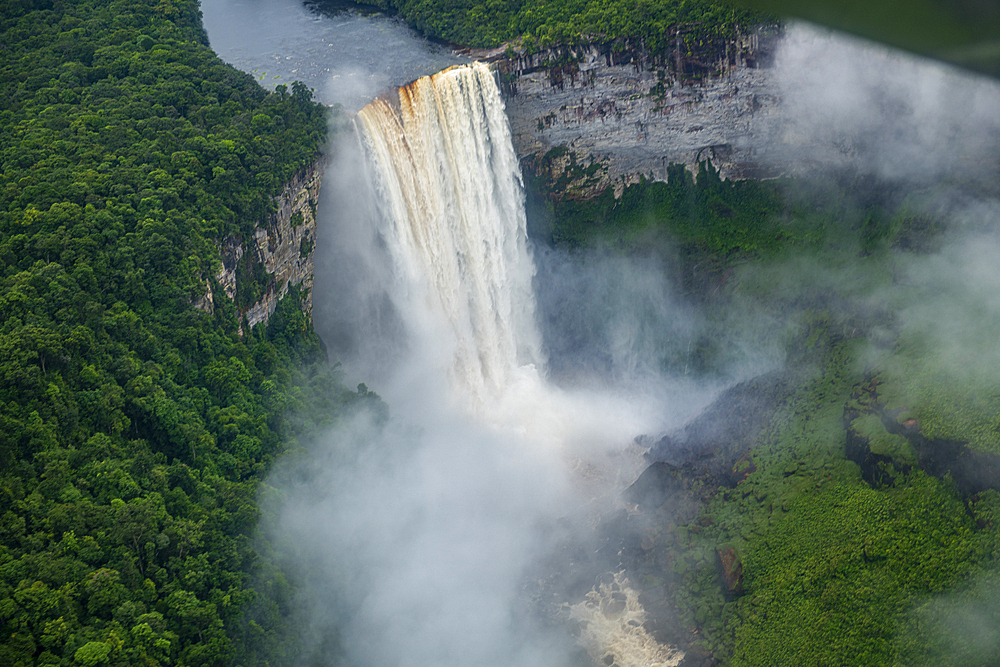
(732, 571)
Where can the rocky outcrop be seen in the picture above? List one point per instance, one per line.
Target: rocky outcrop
(632, 113)
(283, 247)
(970, 471)
(731, 569)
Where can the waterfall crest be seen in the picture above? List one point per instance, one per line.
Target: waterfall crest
(451, 198)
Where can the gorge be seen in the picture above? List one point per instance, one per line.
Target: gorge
(462, 514)
(673, 342)
(674, 548)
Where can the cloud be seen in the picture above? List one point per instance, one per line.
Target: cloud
(846, 102)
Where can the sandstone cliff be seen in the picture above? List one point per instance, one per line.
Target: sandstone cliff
(283, 247)
(615, 112)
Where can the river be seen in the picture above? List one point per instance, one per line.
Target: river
(346, 55)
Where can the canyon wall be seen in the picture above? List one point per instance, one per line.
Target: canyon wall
(583, 119)
(614, 112)
(284, 246)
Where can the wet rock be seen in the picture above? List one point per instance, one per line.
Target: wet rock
(732, 571)
(695, 657)
(970, 470)
(715, 447)
(658, 483)
(634, 113)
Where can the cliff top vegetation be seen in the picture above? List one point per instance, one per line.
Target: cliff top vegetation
(538, 24)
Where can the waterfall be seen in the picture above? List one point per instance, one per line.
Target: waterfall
(451, 200)
(440, 524)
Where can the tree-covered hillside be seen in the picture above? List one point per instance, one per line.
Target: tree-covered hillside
(134, 427)
(540, 24)
(847, 504)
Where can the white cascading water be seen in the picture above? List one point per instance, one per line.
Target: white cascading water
(449, 181)
(451, 198)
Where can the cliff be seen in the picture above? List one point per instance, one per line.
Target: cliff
(615, 112)
(583, 119)
(283, 248)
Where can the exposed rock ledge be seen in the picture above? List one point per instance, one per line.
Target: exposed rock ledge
(633, 114)
(285, 246)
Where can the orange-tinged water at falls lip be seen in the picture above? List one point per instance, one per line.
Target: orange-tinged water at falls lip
(395, 98)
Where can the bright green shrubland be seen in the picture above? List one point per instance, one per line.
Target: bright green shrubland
(135, 427)
(885, 317)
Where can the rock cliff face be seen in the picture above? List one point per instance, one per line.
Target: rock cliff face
(615, 113)
(284, 247)
(583, 119)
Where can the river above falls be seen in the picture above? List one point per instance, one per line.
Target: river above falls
(346, 54)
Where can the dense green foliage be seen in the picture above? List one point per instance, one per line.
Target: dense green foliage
(842, 565)
(541, 24)
(724, 219)
(134, 427)
(838, 571)
(834, 567)
(851, 571)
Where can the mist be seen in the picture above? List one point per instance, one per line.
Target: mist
(913, 138)
(415, 543)
(460, 530)
(849, 103)
(611, 320)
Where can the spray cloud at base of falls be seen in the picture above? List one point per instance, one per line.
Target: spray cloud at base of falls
(425, 537)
